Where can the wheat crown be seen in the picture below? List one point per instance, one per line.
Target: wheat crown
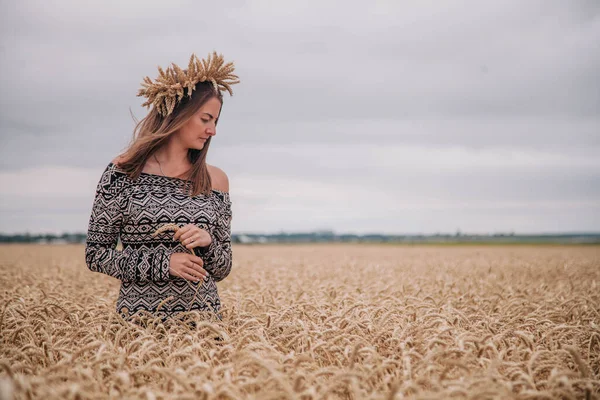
(169, 87)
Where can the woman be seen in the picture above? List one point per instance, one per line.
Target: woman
(163, 178)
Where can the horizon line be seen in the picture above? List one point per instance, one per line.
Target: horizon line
(332, 232)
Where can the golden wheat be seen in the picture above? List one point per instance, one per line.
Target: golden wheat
(175, 228)
(174, 83)
(165, 228)
(314, 322)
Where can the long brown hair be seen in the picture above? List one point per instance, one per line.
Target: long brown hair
(154, 130)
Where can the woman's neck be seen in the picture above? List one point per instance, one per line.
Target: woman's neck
(173, 159)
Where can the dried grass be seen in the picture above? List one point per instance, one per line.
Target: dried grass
(314, 322)
(174, 83)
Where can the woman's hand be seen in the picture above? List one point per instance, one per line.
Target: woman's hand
(187, 266)
(192, 236)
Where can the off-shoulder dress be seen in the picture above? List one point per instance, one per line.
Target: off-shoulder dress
(133, 210)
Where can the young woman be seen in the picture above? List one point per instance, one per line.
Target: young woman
(163, 179)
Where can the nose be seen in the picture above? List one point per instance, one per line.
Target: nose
(211, 131)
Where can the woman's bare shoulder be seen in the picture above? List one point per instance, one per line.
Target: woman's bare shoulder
(219, 178)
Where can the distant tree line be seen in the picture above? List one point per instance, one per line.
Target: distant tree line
(331, 237)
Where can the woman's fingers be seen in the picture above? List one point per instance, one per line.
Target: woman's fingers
(193, 264)
(186, 232)
(187, 266)
(197, 260)
(187, 243)
(196, 274)
(190, 246)
(182, 231)
(190, 274)
(196, 267)
(190, 277)
(185, 275)
(200, 270)
(194, 260)
(186, 236)
(192, 236)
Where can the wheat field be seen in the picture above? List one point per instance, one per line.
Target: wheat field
(315, 322)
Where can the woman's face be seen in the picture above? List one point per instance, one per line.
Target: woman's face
(201, 126)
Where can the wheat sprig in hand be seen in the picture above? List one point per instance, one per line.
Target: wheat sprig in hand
(187, 266)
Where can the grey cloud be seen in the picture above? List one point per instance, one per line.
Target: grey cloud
(327, 83)
(516, 178)
(392, 65)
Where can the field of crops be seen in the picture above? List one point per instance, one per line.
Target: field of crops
(315, 322)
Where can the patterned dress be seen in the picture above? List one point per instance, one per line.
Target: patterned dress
(133, 210)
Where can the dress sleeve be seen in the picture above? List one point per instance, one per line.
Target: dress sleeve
(217, 256)
(104, 228)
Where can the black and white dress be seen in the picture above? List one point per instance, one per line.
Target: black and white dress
(133, 210)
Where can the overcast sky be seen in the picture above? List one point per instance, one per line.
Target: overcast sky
(390, 116)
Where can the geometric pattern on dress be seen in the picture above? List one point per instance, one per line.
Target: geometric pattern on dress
(133, 210)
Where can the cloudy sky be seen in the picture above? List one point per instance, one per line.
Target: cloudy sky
(374, 116)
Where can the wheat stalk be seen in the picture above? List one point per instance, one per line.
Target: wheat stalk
(314, 322)
(174, 83)
(174, 227)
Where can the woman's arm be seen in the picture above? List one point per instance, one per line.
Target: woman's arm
(217, 255)
(103, 233)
